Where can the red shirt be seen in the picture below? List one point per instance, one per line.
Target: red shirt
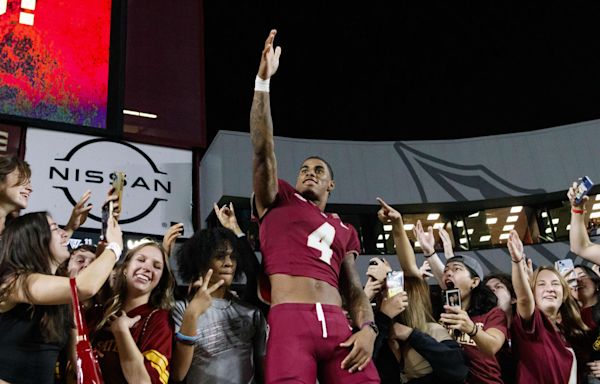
(154, 342)
(482, 368)
(297, 239)
(540, 351)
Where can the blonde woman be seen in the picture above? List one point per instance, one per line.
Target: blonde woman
(548, 324)
(134, 334)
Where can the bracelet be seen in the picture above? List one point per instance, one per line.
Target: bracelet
(184, 339)
(372, 325)
(575, 210)
(116, 248)
(261, 85)
(474, 331)
(428, 256)
(516, 262)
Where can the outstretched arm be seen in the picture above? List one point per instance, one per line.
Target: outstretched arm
(578, 235)
(427, 242)
(404, 250)
(520, 279)
(261, 130)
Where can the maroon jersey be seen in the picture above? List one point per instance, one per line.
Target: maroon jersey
(543, 355)
(297, 239)
(153, 335)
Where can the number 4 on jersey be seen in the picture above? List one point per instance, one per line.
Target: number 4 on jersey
(321, 239)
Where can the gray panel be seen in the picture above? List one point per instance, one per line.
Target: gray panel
(416, 172)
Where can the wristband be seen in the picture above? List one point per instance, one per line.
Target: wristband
(575, 210)
(516, 261)
(474, 331)
(261, 85)
(428, 256)
(184, 339)
(116, 248)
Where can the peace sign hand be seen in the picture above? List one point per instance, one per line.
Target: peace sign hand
(202, 297)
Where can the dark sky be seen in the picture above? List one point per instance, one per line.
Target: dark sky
(400, 72)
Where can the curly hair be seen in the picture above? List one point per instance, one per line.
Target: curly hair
(195, 255)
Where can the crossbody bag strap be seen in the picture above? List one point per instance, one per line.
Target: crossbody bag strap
(77, 309)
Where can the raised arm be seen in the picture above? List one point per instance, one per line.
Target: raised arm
(578, 236)
(445, 236)
(404, 250)
(186, 338)
(264, 172)
(427, 241)
(520, 280)
(42, 289)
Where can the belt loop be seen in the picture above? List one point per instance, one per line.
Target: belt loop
(321, 318)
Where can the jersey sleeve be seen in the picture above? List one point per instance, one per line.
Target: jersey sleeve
(284, 192)
(527, 329)
(496, 319)
(156, 345)
(353, 242)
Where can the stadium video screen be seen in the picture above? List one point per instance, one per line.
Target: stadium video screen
(54, 60)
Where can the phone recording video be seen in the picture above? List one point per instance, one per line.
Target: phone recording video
(565, 265)
(394, 283)
(584, 186)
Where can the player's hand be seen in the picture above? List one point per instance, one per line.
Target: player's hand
(361, 343)
(269, 61)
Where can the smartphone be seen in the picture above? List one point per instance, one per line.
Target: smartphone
(453, 297)
(394, 283)
(106, 213)
(118, 183)
(583, 188)
(175, 223)
(564, 265)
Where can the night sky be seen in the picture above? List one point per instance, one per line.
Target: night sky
(402, 71)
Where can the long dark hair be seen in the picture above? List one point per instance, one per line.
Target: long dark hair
(596, 280)
(482, 299)
(26, 250)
